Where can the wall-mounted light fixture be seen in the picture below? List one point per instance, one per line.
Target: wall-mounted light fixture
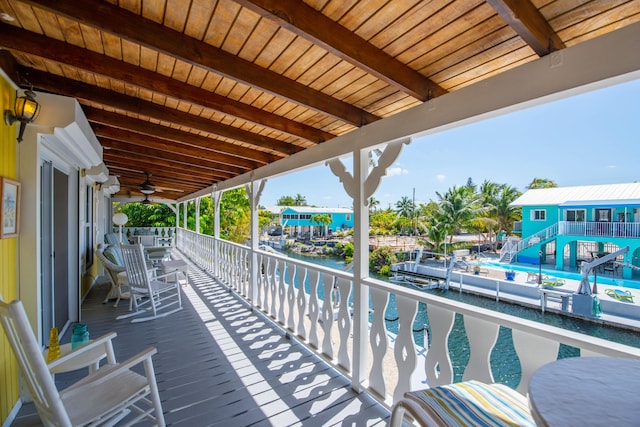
(25, 110)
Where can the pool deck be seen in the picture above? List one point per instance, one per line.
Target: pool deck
(491, 283)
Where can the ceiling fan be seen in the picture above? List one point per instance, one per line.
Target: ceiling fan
(146, 200)
(147, 187)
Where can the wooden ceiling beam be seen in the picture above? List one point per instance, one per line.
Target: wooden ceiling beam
(145, 32)
(527, 21)
(308, 23)
(195, 172)
(235, 154)
(148, 144)
(76, 89)
(30, 43)
(10, 66)
(132, 178)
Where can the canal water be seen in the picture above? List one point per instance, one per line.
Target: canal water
(506, 367)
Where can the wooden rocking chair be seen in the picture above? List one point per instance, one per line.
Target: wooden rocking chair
(162, 292)
(107, 396)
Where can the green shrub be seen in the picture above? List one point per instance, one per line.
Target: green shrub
(385, 270)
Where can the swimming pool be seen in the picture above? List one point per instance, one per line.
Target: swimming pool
(633, 284)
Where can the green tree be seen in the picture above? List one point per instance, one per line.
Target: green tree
(405, 207)
(300, 200)
(436, 234)
(541, 183)
(153, 215)
(506, 214)
(235, 215)
(323, 220)
(373, 204)
(459, 205)
(380, 258)
(286, 201)
(383, 222)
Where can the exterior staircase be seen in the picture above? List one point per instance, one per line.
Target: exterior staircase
(513, 245)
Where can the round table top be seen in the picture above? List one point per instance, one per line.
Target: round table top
(586, 391)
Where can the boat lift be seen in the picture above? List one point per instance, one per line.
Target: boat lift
(584, 302)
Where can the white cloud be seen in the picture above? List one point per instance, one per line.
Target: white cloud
(441, 177)
(611, 166)
(397, 171)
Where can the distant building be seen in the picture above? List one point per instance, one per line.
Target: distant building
(575, 224)
(297, 220)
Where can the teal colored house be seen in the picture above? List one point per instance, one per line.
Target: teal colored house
(573, 224)
(300, 219)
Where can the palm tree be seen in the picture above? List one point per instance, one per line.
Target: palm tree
(459, 205)
(300, 200)
(323, 220)
(506, 214)
(405, 207)
(541, 183)
(373, 205)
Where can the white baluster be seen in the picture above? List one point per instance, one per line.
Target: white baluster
(274, 281)
(291, 298)
(260, 285)
(378, 340)
(404, 348)
(327, 314)
(482, 337)
(344, 323)
(314, 312)
(438, 363)
(301, 303)
(282, 291)
(533, 351)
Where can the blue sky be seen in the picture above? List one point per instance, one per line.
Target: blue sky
(592, 138)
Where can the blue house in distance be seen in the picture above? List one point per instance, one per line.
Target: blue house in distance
(568, 225)
(297, 220)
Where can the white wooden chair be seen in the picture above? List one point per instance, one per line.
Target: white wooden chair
(111, 394)
(158, 294)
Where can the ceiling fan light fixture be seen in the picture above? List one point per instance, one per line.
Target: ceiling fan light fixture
(147, 187)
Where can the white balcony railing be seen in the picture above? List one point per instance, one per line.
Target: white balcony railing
(600, 229)
(391, 370)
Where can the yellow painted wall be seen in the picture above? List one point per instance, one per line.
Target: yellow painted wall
(8, 259)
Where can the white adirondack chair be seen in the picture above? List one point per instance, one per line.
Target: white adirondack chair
(149, 292)
(104, 397)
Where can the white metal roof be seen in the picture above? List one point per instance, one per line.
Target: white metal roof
(581, 195)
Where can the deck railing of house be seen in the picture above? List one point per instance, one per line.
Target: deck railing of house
(327, 328)
(600, 229)
(514, 245)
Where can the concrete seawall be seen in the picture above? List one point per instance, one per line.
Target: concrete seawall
(491, 283)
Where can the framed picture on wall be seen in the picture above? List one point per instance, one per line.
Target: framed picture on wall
(10, 212)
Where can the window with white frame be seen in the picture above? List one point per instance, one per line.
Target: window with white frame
(578, 215)
(603, 215)
(539, 215)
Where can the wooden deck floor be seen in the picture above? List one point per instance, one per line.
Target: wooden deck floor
(221, 364)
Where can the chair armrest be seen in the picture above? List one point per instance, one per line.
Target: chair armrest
(109, 371)
(176, 272)
(415, 411)
(79, 352)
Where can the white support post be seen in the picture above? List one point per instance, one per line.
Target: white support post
(360, 270)
(216, 196)
(360, 187)
(198, 215)
(184, 210)
(254, 191)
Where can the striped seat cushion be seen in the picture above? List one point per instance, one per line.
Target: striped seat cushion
(473, 403)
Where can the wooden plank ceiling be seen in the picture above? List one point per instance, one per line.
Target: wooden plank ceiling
(198, 91)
